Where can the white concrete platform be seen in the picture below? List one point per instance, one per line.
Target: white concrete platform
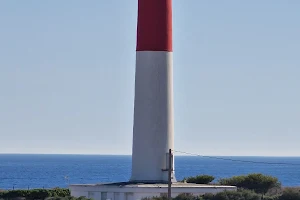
(137, 191)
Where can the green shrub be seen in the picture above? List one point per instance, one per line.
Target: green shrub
(240, 194)
(258, 182)
(234, 181)
(35, 193)
(155, 198)
(290, 194)
(67, 198)
(200, 179)
(13, 194)
(186, 196)
(60, 192)
(235, 195)
(276, 197)
(207, 196)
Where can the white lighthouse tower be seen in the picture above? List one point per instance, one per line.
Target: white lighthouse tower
(153, 129)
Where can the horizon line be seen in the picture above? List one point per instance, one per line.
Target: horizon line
(182, 155)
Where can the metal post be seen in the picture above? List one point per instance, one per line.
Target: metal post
(169, 175)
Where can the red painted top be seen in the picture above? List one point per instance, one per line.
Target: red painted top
(154, 26)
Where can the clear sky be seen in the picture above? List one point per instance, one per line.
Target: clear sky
(67, 76)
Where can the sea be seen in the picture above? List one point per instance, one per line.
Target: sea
(49, 171)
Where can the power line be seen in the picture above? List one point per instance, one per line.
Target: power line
(236, 160)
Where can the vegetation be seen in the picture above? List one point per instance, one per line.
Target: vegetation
(234, 195)
(257, 182)
(200, 179)
(290, 194)
(67, 198)
(250, 187)
(51, 194)
(240, 194)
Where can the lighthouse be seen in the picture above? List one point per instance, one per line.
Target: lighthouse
(153, 126)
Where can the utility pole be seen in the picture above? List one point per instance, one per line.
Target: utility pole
(170, 174)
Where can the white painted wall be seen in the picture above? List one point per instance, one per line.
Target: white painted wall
(153, 130)
(137, 193)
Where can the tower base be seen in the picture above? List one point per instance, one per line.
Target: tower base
(137, 191)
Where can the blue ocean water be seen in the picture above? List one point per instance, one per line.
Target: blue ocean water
(48, 171)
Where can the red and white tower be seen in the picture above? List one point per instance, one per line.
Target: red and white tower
(153, 129)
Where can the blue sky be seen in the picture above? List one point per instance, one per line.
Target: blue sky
(67, 76)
